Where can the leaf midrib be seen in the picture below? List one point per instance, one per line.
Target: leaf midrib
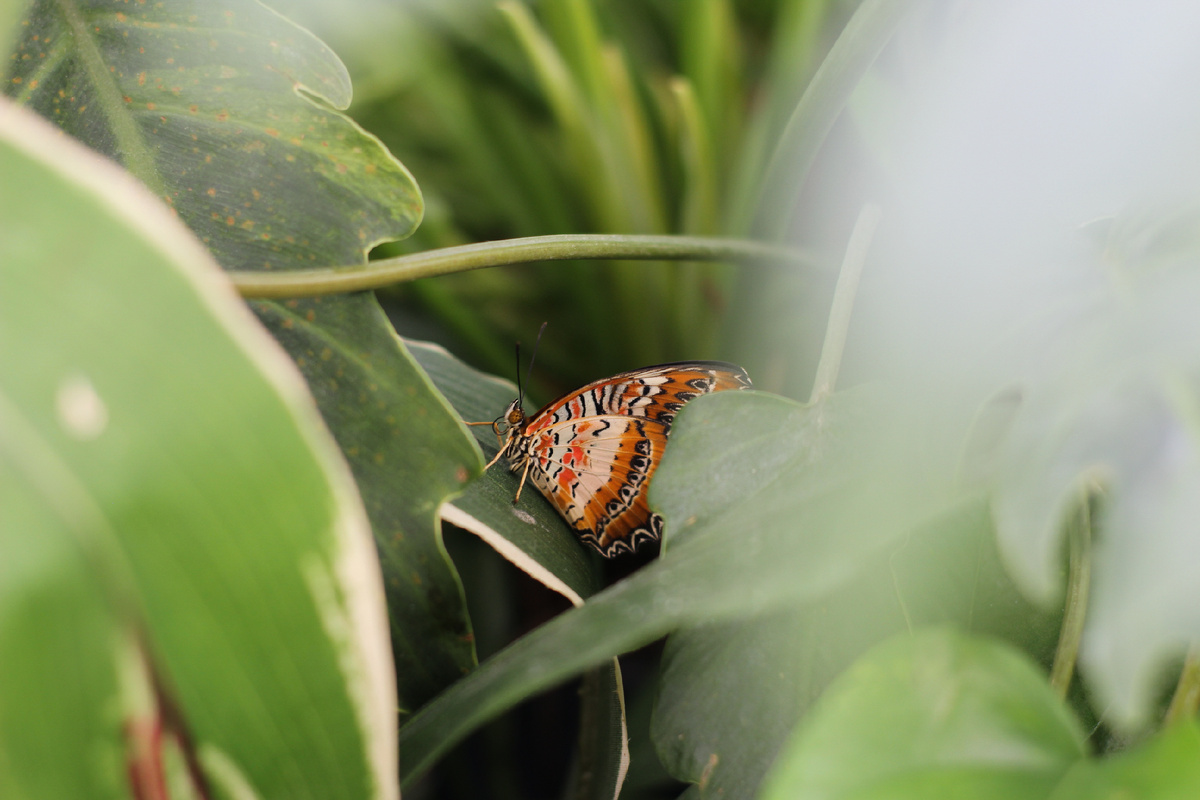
(134, 152)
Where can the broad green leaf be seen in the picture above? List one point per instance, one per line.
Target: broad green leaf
(175, 494)
(229, 112)
(531, 533)
(537, 541)
(1165, 768)
(734, 545)
(58, 638)
(730, 693)
(931, 714)
(407, 453)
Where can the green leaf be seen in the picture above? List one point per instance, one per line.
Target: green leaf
(931, 714)
(531, 534)
(732, 547)
(711, 55)
(58, 633)
(228, 111)
(535, 539)
(174, 499)
(730, 693)
(408, 453)
(1165, 768)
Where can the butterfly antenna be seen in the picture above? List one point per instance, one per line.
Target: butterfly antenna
(520, 387)
(536, 342)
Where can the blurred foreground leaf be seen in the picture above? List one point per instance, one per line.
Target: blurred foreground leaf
(1165, 768)
(931, 714)
(229, 112)
(730, 693)
(184, 553)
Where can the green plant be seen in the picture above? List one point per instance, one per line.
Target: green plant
(975, 465)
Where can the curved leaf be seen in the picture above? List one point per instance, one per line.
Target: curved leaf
(531, 534)
(1164, 768)
(733, 545)
(931, 714)
(730, 693)
(167, 455)
(227, 111)
(536, 540)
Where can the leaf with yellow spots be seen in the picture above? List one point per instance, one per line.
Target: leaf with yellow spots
(229, 113)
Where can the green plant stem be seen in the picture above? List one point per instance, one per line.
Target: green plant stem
(1079, 577)
(843, 302)
(445, 261)
(1186, 699)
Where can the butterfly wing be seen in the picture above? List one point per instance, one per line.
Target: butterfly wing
(654, 393)
(595, 471)
(595, 449)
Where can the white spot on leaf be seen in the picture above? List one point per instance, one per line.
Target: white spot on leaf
(81, 412)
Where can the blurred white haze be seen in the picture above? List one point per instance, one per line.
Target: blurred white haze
(1041, 232)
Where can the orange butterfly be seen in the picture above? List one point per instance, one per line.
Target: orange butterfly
(593, 451)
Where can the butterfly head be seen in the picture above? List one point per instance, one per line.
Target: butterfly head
(511, 420)
(508, 425)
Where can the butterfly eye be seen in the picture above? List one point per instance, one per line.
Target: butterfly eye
(515, 416)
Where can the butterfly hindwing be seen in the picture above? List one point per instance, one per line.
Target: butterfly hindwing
(593, 451)
(595, 471)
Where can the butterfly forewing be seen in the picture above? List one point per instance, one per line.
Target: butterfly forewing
(592, 452)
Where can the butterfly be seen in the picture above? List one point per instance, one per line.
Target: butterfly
(593, 451)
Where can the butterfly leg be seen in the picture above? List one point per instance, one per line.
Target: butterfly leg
(521, 485)
(495, 458)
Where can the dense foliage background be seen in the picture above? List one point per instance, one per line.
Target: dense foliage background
(971, 467)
